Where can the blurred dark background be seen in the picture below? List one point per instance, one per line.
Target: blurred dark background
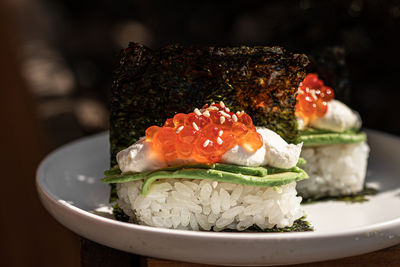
(56, 71)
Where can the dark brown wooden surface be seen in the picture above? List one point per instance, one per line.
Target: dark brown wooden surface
(93, 255)
(386, 257)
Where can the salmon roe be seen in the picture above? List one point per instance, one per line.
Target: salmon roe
(312, 98)
(204, 135)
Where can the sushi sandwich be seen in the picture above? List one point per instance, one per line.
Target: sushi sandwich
(210, 169)
(220, 178)
(334, 148)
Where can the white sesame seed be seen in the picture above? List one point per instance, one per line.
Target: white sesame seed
(213, 103)
(234, 118)
(206, 113)
(179, 129)
(219, 141)
(220, 132)
(225, 114)
(221, 119)
(227, 110)
(221, 104)
(212, 108)
(195, 126)
(314, 95)
(238, 113)
(241, 112)
(197, 112)
(206, 143)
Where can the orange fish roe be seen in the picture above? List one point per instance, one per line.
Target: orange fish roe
(204, 135)
(312, 98)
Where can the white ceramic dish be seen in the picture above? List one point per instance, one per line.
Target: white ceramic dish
(68, 182)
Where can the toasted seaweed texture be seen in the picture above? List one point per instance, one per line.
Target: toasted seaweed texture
(300, 225)
(359, 197)
(152, 85)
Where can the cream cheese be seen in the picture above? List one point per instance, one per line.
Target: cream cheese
(139, 158)
(338, 118)
(275, 152)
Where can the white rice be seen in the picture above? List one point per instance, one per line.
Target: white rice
(334, 170)
(209, 205)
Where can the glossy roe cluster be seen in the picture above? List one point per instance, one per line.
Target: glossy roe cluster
(203, 135)
(312, 98)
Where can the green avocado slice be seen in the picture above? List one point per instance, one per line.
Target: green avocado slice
(276, 179)
(115, 173)
(256, 176)
(315, 137)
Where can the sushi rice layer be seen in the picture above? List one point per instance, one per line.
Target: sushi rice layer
(210, 205)
(334, 170)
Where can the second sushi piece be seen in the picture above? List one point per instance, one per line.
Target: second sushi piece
(334, 148)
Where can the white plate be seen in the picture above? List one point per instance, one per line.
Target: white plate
(68, 181)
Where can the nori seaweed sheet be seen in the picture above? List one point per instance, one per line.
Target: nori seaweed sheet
(152, 85)
(359, 197)
(300, 225)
